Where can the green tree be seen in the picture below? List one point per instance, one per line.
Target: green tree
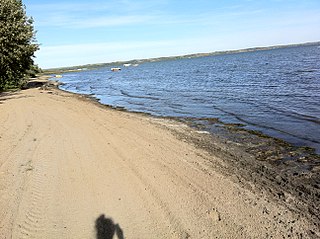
(17, 44)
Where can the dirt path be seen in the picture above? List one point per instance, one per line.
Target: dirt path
(68, 165)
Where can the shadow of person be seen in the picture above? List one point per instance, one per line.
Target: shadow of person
(106, 228)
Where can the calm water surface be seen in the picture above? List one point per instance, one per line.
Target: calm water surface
(275, 91)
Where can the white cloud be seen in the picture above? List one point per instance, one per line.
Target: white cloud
(95, 6)
(92, 22)
(228, 27)
(94, 14)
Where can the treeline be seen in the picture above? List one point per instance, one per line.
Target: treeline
(17, 44)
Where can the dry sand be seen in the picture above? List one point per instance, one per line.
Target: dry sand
(67, 165)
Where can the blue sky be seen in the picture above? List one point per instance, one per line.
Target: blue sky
(84, 32)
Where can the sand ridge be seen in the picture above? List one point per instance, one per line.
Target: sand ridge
(72, 169)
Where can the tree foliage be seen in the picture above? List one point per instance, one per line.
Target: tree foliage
(17, 43)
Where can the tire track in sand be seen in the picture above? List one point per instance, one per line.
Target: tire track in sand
(33, 220)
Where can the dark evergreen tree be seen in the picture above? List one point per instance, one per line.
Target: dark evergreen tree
(17, 44)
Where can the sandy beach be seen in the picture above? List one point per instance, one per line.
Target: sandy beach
(71, 168)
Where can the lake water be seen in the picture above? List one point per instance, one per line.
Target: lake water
(276, 91)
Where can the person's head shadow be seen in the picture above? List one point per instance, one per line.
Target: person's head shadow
(106, 229)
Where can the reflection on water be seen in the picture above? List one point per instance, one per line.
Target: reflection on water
(275, 91)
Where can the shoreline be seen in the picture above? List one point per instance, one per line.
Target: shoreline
(287, 152)
(281, 163)
(204, 122)
(292, 141)
(282, 194)
(291, 173)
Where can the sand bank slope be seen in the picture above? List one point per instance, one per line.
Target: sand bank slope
(67, 165)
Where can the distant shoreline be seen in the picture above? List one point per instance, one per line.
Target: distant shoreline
(194, 55)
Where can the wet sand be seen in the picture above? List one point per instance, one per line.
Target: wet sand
(71, 168)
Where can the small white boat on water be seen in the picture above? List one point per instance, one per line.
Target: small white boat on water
(126, 65)
(116, 69)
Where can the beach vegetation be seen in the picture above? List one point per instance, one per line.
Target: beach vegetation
(17, 44)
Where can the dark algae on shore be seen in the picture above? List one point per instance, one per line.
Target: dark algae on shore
(287, 173)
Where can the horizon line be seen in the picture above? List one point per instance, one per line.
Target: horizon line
(193, 55)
